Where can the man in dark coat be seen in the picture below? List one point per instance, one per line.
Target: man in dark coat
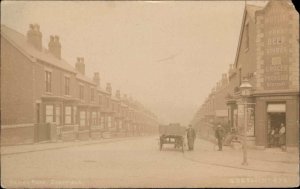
(191, 135)
(219, 133)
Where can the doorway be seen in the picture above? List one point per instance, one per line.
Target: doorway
(276, 117)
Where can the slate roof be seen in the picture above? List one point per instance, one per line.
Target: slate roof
(19, 41)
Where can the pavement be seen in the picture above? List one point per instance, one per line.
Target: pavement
(269, 160)
(137, 162)
(43, 146)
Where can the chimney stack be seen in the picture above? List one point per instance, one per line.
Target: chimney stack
(96, 78)
(118, 94)
(34, 36)
(57, 50)
(51, 45)
(108, 88)
(80, 66)
(54, 46)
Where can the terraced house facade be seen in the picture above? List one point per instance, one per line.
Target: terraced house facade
(44, 98)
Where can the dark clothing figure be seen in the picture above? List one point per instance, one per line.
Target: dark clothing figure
(219, 133)
(191, 135)
(282, 138)
(272, 138)
(276, 138)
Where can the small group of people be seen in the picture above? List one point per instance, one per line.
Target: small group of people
(277, 137)
(191, 136)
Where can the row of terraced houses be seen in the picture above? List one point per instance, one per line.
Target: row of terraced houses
(268, 57)
(44, 98)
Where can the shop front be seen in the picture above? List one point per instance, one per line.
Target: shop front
(271, 113)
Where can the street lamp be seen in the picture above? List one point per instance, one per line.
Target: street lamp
(245, 89)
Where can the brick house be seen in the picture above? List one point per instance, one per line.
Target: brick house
(43, 97)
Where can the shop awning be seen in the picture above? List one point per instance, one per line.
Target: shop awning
(276, 108)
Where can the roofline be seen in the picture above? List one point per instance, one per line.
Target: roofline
(240, 38)
(32, 58)
(85, 81)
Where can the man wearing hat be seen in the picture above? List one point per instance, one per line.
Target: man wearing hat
(191, 135)
(219, 133)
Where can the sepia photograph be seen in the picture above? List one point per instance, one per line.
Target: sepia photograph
(149, 94)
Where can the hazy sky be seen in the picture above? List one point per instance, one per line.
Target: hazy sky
(167, 55)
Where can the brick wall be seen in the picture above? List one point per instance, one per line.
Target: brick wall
(17, 103)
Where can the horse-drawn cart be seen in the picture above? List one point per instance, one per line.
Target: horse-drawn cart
(172, 134)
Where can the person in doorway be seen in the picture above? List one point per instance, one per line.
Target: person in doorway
(282, 137)
(276, 138)
(272, 137)
(191, 136)
(219, 133)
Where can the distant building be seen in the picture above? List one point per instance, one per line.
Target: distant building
(44, 98)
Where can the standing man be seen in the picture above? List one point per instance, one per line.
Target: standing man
(191, 135)
(282, 137)
(219, 133)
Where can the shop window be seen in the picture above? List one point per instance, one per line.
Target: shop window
(48, 80)
(82, 118)
(68, 115)
(49, 114)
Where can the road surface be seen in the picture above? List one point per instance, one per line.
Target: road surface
(137, 162)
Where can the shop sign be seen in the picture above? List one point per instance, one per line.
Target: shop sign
(276, 56)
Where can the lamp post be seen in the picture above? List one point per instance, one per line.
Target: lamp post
(245, 89)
